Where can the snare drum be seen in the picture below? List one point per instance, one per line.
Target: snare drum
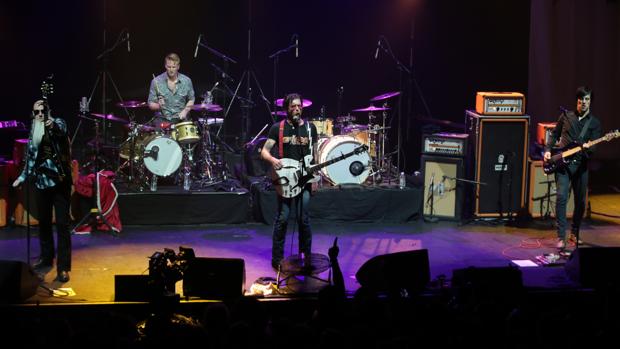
(162, 156)
(353, 169)
(185, 132)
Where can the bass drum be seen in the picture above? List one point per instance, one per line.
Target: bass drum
(352, 170)
(162, 156)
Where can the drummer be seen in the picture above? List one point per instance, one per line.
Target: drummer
(171, 94)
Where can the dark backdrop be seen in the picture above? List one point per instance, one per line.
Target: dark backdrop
(453, 48)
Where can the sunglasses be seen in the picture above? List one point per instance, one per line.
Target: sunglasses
(37, 112)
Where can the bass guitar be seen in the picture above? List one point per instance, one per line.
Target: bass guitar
(295, 174)
(562, 157)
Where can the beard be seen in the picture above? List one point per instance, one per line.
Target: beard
(38, 129)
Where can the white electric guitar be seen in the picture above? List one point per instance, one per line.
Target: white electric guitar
(295, 174)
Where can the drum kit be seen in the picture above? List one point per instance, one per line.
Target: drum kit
(190, 153)
(343, 135)
(152, 151)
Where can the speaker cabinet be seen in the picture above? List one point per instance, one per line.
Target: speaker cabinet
(542, 193)
(392, 272)
(499, 162)
(440, 174)
(214, 278)
(18, 282)
(594, 266)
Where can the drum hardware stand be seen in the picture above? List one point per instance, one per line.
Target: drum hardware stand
(247, 77)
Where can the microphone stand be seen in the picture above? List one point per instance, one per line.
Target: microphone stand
(387, 48)
(276, 58)
(431, 198)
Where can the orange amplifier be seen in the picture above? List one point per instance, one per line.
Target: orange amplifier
(500, 103)
(543, 132)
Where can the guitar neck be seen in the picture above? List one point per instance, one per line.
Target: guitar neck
(575, 150)
(331, 161)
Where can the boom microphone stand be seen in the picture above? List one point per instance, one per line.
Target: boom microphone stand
(276, 58)
(385, 46)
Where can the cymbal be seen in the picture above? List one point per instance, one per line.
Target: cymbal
(206, 107)
(131, 104)
(110, 117)
(141, 127)
(304, 103)
(279, 113)
(371, 108)
(378, 129)
(440, 122)
(385, 96)
(211, 121)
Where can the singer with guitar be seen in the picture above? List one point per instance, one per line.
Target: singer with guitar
(171, 93)
(296, 141)
(573, 129)
(47, 163)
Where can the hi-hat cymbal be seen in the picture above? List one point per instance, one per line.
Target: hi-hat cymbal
(206, 107)
(385, 96)
(371, 108)
(110, 117)
(305, 103)
(345, 118)
(131, 104)
(279, 113)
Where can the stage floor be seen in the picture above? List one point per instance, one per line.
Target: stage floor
(98, 257)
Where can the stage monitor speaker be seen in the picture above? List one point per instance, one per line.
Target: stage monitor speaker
(214, 278)
(132, 288)
(18, 282)
(499, 162)
(393, 272)
(503, 283)
(542, 193)
(440, 173)
(594, 266)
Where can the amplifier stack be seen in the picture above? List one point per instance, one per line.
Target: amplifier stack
(443, 163)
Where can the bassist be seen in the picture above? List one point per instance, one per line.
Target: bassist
(573, 129)
(293, 138)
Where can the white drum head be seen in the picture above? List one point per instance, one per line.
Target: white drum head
(162, 156)
(352, 170)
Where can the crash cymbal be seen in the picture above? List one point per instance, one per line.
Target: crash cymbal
(131, 104)
(110, 117)
(206, 107)
(304, 103)
(279, 113)
(371, 108)
(385, 96)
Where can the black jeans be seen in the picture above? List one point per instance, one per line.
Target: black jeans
(58, 198)
(281, 222)
(573, 177)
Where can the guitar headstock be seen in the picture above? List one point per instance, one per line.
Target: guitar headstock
(611, 135)
(47, 87)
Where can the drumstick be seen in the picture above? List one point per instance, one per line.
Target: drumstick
(158, 94)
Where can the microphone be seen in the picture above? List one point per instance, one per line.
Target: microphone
(296, 46)
(214, 86)
(197, 46)
(128, 43)
(378, 46)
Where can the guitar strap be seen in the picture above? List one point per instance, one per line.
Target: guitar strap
(585, 128)
(281, 140)
(309, 139)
